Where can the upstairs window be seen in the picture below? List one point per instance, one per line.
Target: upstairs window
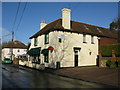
(35, 41)
(46, 38)
(18, 50)
(60, 40)
(92, 39)
(84, 38)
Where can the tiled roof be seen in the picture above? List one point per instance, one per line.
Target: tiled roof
(14, 44)
(77, 27)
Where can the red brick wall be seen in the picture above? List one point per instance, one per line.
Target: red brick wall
(104, 41)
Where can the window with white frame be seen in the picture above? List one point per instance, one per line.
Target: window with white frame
(84, 38)
(18, 50)
(92, 39)
(60, 40)
(35, 41)
(46, 38)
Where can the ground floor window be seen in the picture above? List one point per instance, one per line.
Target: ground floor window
(45, 53)
(36, 59)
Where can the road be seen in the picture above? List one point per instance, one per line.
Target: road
(20, 77)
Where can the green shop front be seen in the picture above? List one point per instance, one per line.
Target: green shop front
(34, 54)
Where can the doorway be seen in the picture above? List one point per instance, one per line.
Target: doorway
(76, 58)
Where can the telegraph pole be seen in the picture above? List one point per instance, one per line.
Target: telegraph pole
(0, 49)
(12, 45)
(12, 36)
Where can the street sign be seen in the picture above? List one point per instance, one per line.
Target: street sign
(62, 36)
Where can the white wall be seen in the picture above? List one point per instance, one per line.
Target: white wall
(72, 40)
(21, 51)
(6, 52)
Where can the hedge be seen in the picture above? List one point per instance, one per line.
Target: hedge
(106, 50)
(113, 63)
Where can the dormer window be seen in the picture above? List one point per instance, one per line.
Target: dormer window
(46, 38)
(86, 27)
(99, 29)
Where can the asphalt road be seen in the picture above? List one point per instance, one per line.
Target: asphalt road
(20, 77)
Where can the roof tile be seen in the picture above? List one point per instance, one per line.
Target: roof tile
(14, 44)
(77, 27)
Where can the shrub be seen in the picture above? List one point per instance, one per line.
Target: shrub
(113, 64)
(108, 63)
(118, 63)
(106, 50)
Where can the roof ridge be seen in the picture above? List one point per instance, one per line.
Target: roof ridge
(45, 27)
(49, 24)
(56, 24)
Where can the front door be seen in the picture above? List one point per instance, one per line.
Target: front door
(76, 58)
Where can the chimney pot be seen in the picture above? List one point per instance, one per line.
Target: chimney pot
(43, 21)
(42, 24)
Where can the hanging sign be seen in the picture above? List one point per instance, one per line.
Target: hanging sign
(50, 48)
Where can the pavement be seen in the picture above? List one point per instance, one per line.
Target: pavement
(108, 76)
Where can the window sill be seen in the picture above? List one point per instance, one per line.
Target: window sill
(46, 43)
(85, 42)
(36, 62)
(92, 43)
(46, 61)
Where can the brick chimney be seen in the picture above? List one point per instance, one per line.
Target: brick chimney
(66, 17)
(42, 24)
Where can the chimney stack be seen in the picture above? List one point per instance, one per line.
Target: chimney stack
(66, 17)
(42, 24)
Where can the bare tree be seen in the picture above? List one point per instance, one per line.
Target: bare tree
(61, 49)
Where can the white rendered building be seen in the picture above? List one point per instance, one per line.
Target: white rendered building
(14, 49)
(65, 43)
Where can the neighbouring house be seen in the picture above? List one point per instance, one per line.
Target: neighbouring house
(109, 40)
(66, 43)
(15, 49)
